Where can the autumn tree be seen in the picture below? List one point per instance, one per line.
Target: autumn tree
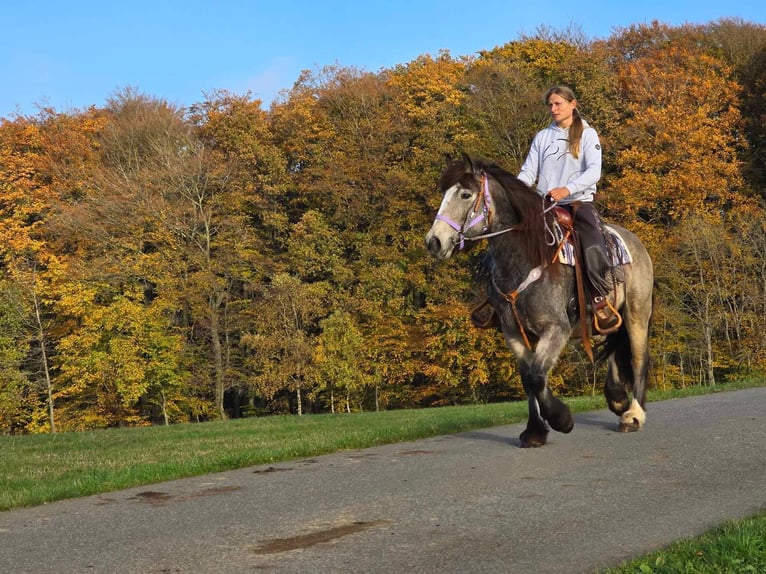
(678, 145)
(163, 223)
(17, 403)
(280, 343)
(47, 160)
(22, 210)
(338, 361)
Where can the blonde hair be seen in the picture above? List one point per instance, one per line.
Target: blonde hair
(577, 127)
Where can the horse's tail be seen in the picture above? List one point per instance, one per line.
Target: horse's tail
(617, 345)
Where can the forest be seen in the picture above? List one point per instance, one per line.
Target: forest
(163, 265)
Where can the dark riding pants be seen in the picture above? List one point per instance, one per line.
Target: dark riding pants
(587, 225)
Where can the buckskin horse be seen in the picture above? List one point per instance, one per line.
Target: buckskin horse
(535, 296)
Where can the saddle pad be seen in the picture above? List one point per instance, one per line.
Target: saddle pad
(615, 244)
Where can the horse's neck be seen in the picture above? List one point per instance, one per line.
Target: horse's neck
(510, 265)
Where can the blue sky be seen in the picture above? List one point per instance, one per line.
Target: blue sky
(74, 54)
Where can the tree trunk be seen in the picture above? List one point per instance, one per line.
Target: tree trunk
(215, 339)
(709, 346)
(298, 397)
(164, 408)
(44, 361)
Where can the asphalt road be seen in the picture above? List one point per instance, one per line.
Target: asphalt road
(466, 503)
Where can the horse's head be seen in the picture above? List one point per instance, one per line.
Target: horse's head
(482, 200)
(464, 211)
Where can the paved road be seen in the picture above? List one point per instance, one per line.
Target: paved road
(466, 503)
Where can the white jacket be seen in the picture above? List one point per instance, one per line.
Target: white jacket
(550, 164)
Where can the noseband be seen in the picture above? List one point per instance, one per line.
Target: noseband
(480, 212)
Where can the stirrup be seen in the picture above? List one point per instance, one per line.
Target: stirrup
(606, 319)
(483, 320)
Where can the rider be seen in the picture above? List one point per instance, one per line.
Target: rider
(565, 162)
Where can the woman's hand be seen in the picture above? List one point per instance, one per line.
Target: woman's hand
(558, 193)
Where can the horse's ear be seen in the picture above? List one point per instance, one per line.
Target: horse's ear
(469, 167)
(448, 159)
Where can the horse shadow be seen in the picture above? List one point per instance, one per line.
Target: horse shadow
(593, 420)
(491, 437)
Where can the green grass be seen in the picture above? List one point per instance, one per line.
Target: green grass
(736, 547)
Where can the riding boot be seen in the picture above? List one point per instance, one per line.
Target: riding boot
(602, 276)
(606, 319)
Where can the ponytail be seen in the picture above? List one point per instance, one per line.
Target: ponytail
(575, 133)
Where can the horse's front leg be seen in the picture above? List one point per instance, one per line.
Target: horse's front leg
(543, 405)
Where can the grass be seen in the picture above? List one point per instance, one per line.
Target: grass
(736, 547)
(37, 469)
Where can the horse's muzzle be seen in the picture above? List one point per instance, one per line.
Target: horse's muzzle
(433, 245)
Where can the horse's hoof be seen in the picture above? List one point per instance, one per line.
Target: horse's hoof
(632, 426)
(564, 423)
(532, 441)
(567, 428)
(532, 444)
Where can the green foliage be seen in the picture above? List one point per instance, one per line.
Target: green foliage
(17, 401)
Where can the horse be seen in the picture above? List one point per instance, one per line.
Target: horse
(534, 295)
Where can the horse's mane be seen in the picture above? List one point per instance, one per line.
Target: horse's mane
(523, 200)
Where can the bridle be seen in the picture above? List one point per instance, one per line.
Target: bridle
(481, 212)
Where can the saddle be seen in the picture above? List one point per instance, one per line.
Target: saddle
(606, 317)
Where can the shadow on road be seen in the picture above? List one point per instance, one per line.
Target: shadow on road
(594, 420)
(487, 436)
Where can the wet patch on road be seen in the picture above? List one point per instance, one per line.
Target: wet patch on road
(152, 497)
(157, 498)
(270, 470)
(362, 455)
(278, 545)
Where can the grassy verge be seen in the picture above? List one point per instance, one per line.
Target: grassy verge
(736, 547)
(37, 469)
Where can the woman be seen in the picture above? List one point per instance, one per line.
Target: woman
(564, 165)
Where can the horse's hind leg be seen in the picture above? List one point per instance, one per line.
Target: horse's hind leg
(617, 398)
(634, 418)
(630, 411)
(628, 368)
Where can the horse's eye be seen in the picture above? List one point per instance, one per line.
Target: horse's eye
(465, 194)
